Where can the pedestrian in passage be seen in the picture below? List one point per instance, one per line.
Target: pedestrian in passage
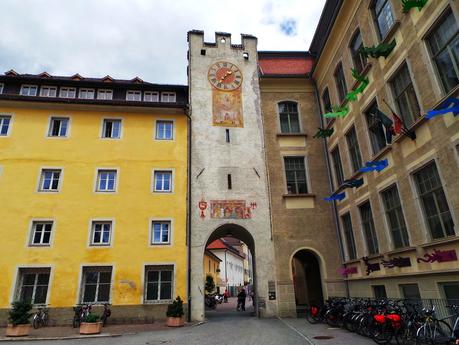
(241, 300)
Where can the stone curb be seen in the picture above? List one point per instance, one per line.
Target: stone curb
(107, 335)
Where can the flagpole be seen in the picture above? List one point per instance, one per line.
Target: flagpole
(404, 129)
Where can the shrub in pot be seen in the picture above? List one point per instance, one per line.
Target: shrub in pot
(18, 322)
(175, 313)
(91, 324)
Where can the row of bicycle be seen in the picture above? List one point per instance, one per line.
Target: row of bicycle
(389, 321)
(82, 313)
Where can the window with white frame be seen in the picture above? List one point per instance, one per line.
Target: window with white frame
(288, 116)
(349, 236)
(101, 233)
(105, 94)
(133, 95)
(405, 96)
(168, 97)
(48, 91)
(32, 285)
(295, 175)
(384, 17)
(111, 129)
(67, 92)
(160, 232)
(164, 130)
(163, 181)
(41, 233)
(1, 88)
(395, 218)
(368, 226)
(29, 90)
(5, 121)
(106, 180)
(49, 180)
(159, 283)
(58, 127)
(96, 282)
(151, 96)
(86, 94)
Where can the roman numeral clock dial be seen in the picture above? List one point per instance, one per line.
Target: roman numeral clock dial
(225, 76)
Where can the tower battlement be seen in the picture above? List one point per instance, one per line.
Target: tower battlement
(221, 39)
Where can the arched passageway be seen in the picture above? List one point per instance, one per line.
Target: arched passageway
(307, 278)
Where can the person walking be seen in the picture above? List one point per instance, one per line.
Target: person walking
(225, 296)
(241, 300)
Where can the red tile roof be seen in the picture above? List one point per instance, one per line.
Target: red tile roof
(284, 64)
(217, 244)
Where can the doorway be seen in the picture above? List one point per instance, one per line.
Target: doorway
(307, 279)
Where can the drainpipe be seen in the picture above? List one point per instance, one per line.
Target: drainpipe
(188, 212)
(330, 183)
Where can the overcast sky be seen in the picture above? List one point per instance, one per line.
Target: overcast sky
(145, 38)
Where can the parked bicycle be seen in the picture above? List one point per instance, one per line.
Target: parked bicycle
(40, 318)
(105, 314)
(81, 311)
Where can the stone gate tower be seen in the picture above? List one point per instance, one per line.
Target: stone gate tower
(229, 189)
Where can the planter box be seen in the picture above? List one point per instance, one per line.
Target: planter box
(90, 327)
(175, 321)
(17, 331)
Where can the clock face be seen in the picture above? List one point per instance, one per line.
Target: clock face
(225, 76)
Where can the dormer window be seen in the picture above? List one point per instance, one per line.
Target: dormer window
(48, 91)
(168, 97)
(29, 90)
(105, 94)
(132, 95)
(86, 94)
(151, 96)
(67, 92)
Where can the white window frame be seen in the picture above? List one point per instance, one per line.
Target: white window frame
(51, 123)
(158, 267)
(29, 87)
(33, 229)
(98, 180)
(168, 97)
(8, 131)
(171, 186)
(102, 222)
(48, 91)
(68, 90)
(151, 96)
(21, 270)
(152, 232)
(107, 119)
(86, 92)
(105, 94)
(157, 122)
(95, 268)
(42, 180)
(131, 95)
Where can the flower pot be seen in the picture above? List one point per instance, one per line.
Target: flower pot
(90, 327)
(18, 330)
(175, 321)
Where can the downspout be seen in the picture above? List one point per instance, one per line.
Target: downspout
(188, 214)
(330, 183)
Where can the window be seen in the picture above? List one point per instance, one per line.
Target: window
(101, 233)
(410, 291)
(168, 97)
(5, 121)
(369, 228)
(379, 291)
(326, 102)
(164, 130)
(375, 130)
(67, 92)
(33, 285)
(151, 96)
(160, 232)
(405, 96)
(158, 283)
(111, 129)
(1, 88)
(132, 95)
(354, 151)
(104, 94)
(106, 180)
(295, 174)
(444, 47)
(86, 94)
(384, 16)
(96, 284)
(360, 61)
(29, 90)
(337, 167)
(451, 291)
(41, 233)
(340, 82)
(349, 236)
(58, 127)
(230, 181)
(288, 114)
(163, 181)
(395, 218)
(433, 200)
(48, 91)
(228, 138)
(49, 181)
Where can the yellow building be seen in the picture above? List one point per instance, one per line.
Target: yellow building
(212, 267)
(93, 194)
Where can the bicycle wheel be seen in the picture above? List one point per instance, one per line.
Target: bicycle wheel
(434, 333)
(312, 314)
(36, 321)
(381, 333)
(45, 320)
(76, 321)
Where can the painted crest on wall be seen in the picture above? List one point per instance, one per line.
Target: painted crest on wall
(231, 209)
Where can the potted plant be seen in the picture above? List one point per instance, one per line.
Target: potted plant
(91, 324)
(175, 313)
(18, 322)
